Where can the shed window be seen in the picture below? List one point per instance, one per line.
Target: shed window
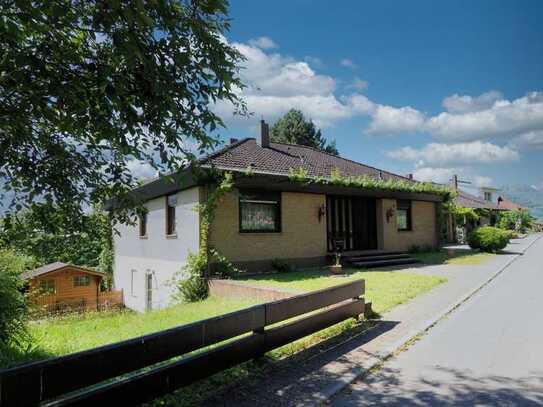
(81, 281)
(403, 215)
(259, 211)
(143, 223)
(47, 286)
(171, 202)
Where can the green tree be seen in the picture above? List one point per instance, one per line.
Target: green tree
(294, 128)
(48, 234)
(87, 86)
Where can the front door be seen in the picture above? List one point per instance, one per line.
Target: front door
(352, 220)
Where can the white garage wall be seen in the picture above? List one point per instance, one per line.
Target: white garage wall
(161, 256)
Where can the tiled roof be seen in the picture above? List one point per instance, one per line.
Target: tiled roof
(280, 158)
(466, 200)
(48, 268)
(505, 204)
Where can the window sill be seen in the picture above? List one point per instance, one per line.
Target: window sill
(172, 236)
(260, 232)
(404, 230)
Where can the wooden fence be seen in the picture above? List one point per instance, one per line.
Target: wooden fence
(84, 378)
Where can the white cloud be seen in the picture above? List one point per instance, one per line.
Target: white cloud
(528, 141)
(466, 103)
(263, 43)
(391, 120)
(277, 83)
(359, 84)
(456, 154)
(141, 170)
(444, 175)
(503, 119)
(314, 61)
(348, 63)
(538, 187)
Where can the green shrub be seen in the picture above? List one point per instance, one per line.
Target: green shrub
(13, 311)
(488, 239)
(222, 266)
(281, 266)
(194, 288)
(519, 221)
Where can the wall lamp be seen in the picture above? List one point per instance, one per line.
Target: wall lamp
(322, 212)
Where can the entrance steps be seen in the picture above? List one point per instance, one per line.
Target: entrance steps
(378, 259)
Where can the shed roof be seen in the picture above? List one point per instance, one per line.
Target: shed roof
(56, 266)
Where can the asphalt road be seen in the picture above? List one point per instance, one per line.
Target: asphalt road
(487, 352)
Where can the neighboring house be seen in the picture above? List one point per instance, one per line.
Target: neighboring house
(267, 216)
(457, 233)
(57, 286)
(506, 205)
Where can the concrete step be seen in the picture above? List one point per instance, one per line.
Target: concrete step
(384, 263)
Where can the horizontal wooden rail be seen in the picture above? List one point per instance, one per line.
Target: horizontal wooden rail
(37, 382)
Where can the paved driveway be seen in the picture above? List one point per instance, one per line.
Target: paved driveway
(488, 352)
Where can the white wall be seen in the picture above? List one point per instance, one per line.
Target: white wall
(163, 257)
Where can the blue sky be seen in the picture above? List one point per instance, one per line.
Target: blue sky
(423, 87)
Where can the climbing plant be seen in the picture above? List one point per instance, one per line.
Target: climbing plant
(366, 182)
(193, 285)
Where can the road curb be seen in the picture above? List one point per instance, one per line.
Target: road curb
(327, 393)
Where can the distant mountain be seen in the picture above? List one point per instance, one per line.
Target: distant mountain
(526, 196)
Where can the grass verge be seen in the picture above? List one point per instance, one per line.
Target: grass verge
(457, 257)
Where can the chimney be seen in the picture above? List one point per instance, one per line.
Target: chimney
(264, 135)
(410, 176)
(233, 140)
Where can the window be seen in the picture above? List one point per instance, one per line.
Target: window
(171, 202)
(133, 279)
(259, 211)
(143, 223)
(488, 196)
(81, 281)
(47, 286)
(403, 215)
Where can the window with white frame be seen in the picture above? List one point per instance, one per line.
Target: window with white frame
(133, 282)
(259, 211)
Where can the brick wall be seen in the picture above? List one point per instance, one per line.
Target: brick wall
(423, 231)
(302, 237)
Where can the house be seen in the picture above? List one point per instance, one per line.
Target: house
(267, 216)
(453, 232)
(506, 205)
(59, 286)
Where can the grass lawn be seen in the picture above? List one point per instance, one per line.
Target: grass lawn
(385, 289)
(60, 336)
(458, 257)
(68, 334)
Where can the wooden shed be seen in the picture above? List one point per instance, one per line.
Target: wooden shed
(59, 286)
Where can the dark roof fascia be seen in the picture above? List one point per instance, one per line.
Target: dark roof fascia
(282, 183)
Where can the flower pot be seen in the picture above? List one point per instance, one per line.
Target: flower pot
(336, 269)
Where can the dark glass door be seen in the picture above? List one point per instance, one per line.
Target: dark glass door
(352, 220)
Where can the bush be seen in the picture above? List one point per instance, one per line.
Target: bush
(281, 266)
(519, 221)
(488, 239)
(222, 266)
(194, 288)
(13, 311)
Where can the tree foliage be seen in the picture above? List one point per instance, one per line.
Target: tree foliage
(12, 303)
(88, 86)
(294, 128)
(48, 234)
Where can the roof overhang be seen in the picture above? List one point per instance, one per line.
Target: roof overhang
(283, 183)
